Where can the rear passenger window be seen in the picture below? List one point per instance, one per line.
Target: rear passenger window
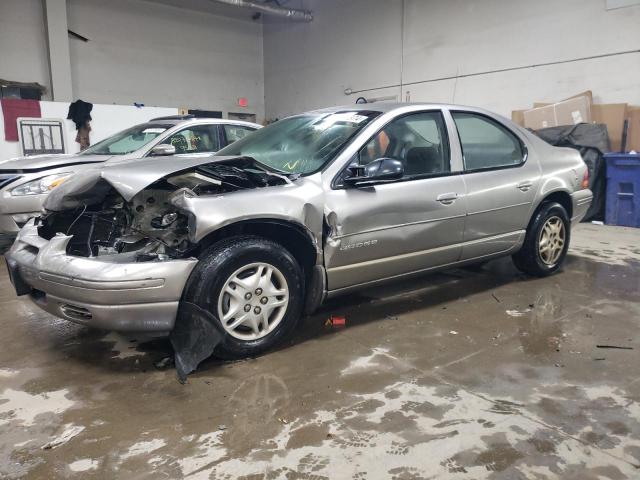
(236, 132)
(195, 139)
(486, 143)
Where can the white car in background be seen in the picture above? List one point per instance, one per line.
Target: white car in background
(25, 182)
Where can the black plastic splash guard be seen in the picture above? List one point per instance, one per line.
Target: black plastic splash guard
(194, 338)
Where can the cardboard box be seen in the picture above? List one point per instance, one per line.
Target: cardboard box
(633, 132)
(517, 116)
(588, 94)
(567, 112)
(542, 117)
(613, 116)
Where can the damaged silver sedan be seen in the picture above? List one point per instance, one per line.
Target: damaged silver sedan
(232, 249)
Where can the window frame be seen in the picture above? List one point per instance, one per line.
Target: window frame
(223, 132)
(190, 127)
(338, 184)
(523, 145)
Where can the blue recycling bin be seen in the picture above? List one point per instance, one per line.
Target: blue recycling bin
(623, 189)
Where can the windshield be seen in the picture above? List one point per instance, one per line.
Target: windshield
(128, 140)
(301, 144)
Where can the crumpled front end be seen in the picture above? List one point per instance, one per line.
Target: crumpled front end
(112, 292)
(117, 256)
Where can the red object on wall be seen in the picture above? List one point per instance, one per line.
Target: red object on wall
(243, 102)
(12, 108)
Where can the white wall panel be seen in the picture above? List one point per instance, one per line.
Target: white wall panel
(157, 54)
(107, 120)
(23, 51)
(308, 65)
(141, 51)
(537, 43)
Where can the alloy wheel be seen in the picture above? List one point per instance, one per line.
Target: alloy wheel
(551, 240)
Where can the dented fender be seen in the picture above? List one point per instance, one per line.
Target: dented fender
(300, 202)
(127, 178)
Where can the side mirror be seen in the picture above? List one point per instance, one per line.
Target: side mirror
(163, 149)
(379, 171)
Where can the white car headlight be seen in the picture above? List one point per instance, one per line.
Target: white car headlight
(40, 185)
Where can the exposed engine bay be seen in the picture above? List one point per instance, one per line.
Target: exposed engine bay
(149, 226)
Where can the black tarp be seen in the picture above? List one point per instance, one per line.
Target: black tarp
(194, 338)
(592, 141)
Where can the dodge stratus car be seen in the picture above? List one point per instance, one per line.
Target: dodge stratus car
(310, 207)
(25, 182)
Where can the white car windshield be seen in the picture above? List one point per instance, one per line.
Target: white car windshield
(302, 144)
(128, 140)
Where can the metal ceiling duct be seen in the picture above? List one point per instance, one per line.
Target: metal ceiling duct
(268, 9)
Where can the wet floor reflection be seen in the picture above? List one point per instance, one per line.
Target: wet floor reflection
(479, 372)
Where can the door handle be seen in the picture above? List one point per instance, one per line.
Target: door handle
(524, 186)
(447, 198)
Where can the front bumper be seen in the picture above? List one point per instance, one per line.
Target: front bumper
(10, 223)
(10, 226)
(111, 292)
(16, 211)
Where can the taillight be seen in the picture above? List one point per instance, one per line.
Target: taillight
(585, 180)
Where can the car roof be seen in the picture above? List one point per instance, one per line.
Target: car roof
(385, 107)
(195, 121)
(389, 107)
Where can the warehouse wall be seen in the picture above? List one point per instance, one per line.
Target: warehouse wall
(141, 51)
(164, 55)
(348, 44)
(370, 44)
(22, 42)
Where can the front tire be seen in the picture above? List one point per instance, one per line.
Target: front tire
(254, 288)
(546, 241)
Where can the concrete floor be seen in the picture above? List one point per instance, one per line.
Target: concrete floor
(474, 373)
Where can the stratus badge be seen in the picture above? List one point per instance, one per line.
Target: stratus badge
(351, 246)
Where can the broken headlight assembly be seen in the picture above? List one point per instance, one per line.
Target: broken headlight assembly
(41, 185)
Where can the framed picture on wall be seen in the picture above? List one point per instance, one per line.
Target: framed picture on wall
(39, 136)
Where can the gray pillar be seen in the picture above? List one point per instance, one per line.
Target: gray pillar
(55, 13)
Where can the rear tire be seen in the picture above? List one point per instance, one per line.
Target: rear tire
(546, 241)
(254, 288)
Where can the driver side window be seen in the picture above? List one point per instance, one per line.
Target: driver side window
(418, 140)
